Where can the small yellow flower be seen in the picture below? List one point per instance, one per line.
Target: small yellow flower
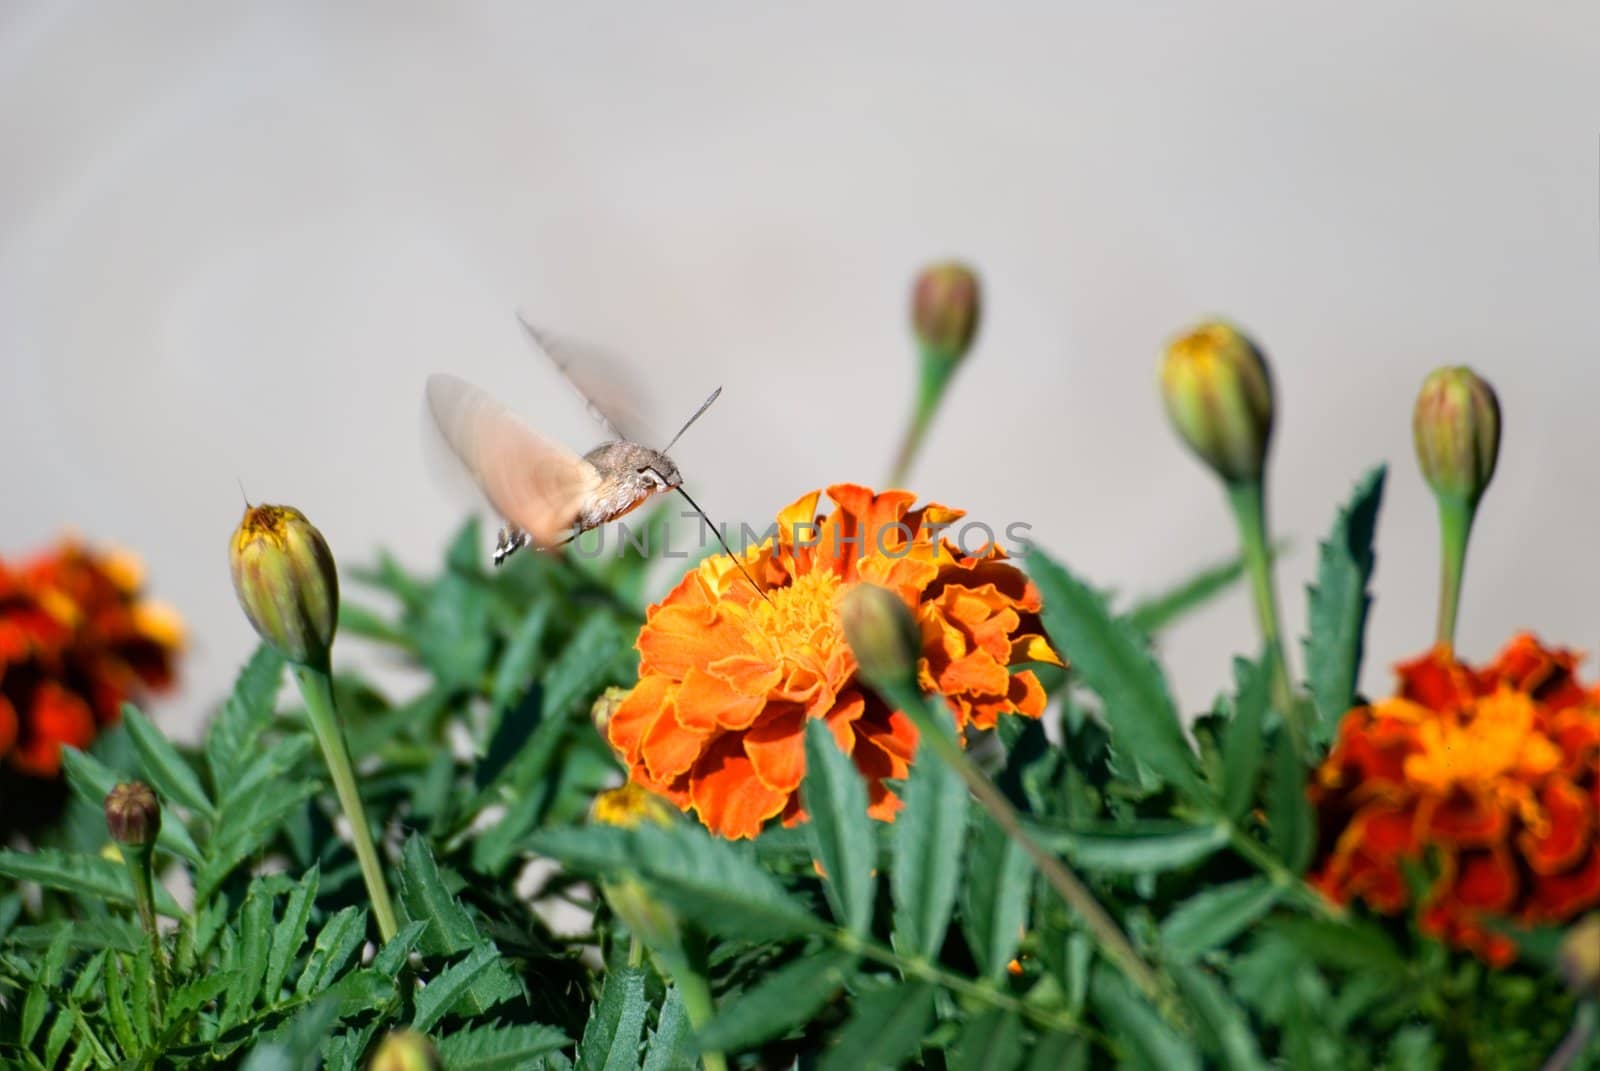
(284, 576)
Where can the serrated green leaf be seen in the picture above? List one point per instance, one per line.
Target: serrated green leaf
(885, 1029)
(299, 1044)
(1146, 847)
(290, 933)
(244, 826)
(1290, 821)
(1145, 1039)
(714, 882)
(268, 766)
(164, 768)
(192, 996)
(392, 956)
(499, 1048)
(668, 1047)
(784, 999)
(93, 780)
(452, 985)
(1242, 742)
(611, 1040)
(520, 663)
(1059, 1051)
(255, 917)
(1110, 657)
(425, 899)
(991, 1042)
(88, 876)
(1216, 915)
(1337, 605)
(1221, 1022)
(994, 899)
(117, 1006)
(451, 632)
(56, 1039)
(141, 993)
(1350, 945)
(231, 736)
(841, 833)
(929, 836)
(337, 941)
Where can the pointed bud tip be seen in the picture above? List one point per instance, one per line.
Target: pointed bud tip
(133, 814)
(882, 634)
(1218, 394)
(1456, 427)
(286, 582)
(946, 302)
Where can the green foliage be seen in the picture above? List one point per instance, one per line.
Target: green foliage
(1338, 605)
(845, 943)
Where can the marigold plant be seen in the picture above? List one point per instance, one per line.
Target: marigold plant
(729, 676)
(77, 639)
(1491, 773)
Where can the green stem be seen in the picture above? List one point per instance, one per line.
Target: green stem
(932, 719)
(317, 688)
(981, 992)
(138, 860)
(930, 389)
(700, 1008)
(1455, 525)
(1280, 875)
(1248, 500)
(635, 951)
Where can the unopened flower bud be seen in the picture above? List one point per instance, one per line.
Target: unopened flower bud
(603, 709)
(1219, 398)
(882, 634)
(1579, 957)
(405, 1050)
(284, 576)
(1457, 430)
(133, 814)
(945, 303)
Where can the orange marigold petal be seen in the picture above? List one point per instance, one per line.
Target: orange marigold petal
(704, 703)
(1569, 821)
(1485, 881)
(634, 716)
(1463, 818)
(727, 795)
(777, 748)
(678, 637)
(668, 749)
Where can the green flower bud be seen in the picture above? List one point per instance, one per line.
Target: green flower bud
(284, 576)
(1457, 430)
(603, 709)
(133, 814)
(405, 1050)
(1219, 398)
(945, 304)
(1579, 957)
(882, 634)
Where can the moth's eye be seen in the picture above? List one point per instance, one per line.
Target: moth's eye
(653, 476)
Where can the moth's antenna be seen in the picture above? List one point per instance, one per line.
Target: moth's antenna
(717, 531)
(697, 413)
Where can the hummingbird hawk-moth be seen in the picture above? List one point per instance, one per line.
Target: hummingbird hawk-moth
(546, 494)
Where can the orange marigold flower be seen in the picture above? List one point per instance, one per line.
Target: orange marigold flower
(77, 639)
(1492, 774)
(729, 679)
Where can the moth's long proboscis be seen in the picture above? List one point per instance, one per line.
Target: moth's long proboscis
(717, 531)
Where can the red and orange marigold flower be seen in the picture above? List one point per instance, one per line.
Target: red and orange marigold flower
(1490, 777)
(76, 639)
(729, 679)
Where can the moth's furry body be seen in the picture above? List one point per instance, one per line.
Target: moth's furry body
(628, 474)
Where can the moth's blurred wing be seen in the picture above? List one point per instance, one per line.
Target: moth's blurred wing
(602, 378)
(534, 483)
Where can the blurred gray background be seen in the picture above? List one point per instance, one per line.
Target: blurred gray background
(234, 239)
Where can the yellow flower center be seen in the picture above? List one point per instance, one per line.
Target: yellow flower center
(630, 806)
(1491, 743)
(801, 623)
